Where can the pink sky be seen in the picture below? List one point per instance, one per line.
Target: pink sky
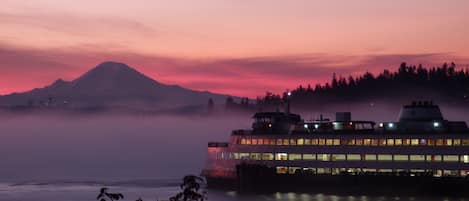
(238, 47)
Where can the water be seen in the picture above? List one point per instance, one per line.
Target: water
(77, 191)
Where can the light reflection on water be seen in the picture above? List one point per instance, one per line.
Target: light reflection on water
(230, 196)
(86, 192)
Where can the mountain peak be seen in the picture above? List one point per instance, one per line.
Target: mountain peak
(113, 65)
(111, 71)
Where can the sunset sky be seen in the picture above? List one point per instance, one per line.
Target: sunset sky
(239, 47)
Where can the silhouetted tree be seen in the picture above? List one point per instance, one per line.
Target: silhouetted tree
(334, 82)
(190, 190)
(104, 195)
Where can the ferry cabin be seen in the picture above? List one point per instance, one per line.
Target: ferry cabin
(421, 143)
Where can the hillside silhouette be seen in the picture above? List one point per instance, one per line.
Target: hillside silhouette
(445, 84)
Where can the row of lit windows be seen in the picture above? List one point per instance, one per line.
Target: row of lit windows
(359, 142)
(347, 157)
(355, 171)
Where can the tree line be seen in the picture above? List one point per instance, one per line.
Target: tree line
(409, 82)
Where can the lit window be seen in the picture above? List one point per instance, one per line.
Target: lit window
(315, 141)
(272, 141)
(367, 141)
(285, 141)
(449, 142)
(353, 157)
(329, 142)
(325, 157)
(398, 142)
(322, 141)
(369, 170)
(464, 173)
(417, 157)
(281, 156)
(307, 141)
(414, 142)
(309, 170)
(465, 158)
(254, 141)
(338, 157)
(450, 158)
(293, 170)
(433, 158)
(267, 156)
(336, 142)
(430, 142)
(282, 170)
(439, 142)
(248, 141)
(324, 170)
(390, 142)
(384, 157)
(243, 140)
(255, 156)
(465, 142)
(260, 141)
(423, 142)
(374, 142)
(309, 156)
(401, 157)
(450, 172)
(244, 156)
(294, 157)
(344, 141)
(406, 142)
(456, 142)
(351, 142)
(370, 157)
(292, 141)
(279, 142)
(359, 141)
(300, 141)
(382, 142)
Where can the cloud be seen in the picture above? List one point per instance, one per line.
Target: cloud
(75, 24)
(23, 69)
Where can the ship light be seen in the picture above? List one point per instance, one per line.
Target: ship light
(381, 125)
(289, 93)
(316, 126)
(270, 125)
(306, 126)
(436, 124)
(391, 125)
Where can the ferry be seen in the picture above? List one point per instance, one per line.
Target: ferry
(422, 152)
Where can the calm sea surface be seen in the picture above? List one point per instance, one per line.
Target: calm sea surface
(86, 191)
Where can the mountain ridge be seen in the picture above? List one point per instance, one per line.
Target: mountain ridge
(112, 84)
